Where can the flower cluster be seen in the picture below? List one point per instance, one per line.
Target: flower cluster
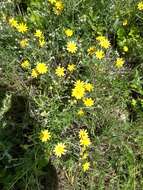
(61, 71)
(85, 143)
(40, 36)
(60, 148)
(41, 68)
(84, 138)
(103, 42)
(71, 45)
(62, 49)
(79, 92)
(82, 91)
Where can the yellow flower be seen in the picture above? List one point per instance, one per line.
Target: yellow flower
(69, 32)
(13, 22)
(45, 135)
(22, 27)
(41, 68)
(60, 149)
(80, 112)
(91, 50)
(100, 38)
(125, 48)
(133, 102)
(88, 87)
(99, 54)
(83, 133)
(71, 67)
(38, 34)
(119, 62)
(34, 73)
(60, 71)
(71, 47)
(140, 6)
(103, 41)
(85, 141)
(25, 64)
(79, 83)
(84, 156)
(88, 102)
(86, 166)
(125, 22)
(24, 43)
(59, 5)
(78, 91)
(42, 42)
(52, 1)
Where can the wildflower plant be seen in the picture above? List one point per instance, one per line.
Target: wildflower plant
(66, 99)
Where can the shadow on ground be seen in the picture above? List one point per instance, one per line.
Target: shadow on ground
(19, 125)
